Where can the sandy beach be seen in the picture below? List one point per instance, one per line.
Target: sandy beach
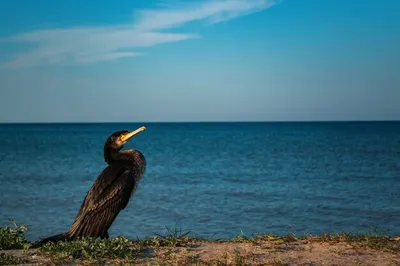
(267, 251)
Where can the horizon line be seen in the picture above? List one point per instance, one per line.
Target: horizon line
(205, 121)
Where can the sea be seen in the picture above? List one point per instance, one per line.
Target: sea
(215, 180)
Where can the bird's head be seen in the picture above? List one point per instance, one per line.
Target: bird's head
(118, 139)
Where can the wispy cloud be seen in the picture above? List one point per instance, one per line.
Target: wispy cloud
(82, 45)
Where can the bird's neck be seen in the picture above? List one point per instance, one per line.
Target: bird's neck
(111, 155)
(129, 157)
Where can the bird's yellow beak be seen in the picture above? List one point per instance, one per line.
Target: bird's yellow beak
(129, 135)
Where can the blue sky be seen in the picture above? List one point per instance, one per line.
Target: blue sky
(214, 60)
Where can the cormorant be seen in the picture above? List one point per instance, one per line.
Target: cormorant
(110, 192)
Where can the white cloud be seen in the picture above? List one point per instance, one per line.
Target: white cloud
(82, 45)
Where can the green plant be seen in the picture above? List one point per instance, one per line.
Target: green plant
(92, 249)
(13, 237)
(174, 238)
(9, 259)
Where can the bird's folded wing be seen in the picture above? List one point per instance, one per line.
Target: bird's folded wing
(102, 203)
(101, 186)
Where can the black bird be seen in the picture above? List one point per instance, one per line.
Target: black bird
(111, 191)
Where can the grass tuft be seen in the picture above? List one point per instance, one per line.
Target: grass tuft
(9, 259)
(13, 237)
(174, 238)
(376, 242)
(92, 249)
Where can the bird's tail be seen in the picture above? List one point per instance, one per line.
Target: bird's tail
(59, 237)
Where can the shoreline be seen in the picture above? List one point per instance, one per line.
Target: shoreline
(183, 248)
(340, 249)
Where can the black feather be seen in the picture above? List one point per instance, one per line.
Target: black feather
(109, 194)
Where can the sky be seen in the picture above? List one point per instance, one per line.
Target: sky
(211, 60)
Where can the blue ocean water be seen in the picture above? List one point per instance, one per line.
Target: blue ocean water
(214, 179)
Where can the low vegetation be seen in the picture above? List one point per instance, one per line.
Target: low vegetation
(9, 259)
(13, 237)
(373, 240)
(174, 248)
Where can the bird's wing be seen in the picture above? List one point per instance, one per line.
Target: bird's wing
(104, 182)
(108, 196)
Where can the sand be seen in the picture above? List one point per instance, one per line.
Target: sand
(300, 252)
